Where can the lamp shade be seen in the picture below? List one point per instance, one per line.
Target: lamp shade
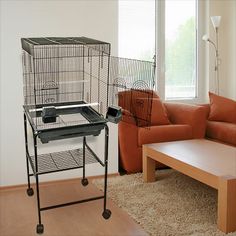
(216, 21)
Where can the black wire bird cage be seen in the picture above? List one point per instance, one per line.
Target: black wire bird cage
(73, 87)
(65, 84)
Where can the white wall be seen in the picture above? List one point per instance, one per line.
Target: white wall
(227, 46)
(96, 19)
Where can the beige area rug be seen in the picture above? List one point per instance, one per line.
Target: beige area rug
(174, 205)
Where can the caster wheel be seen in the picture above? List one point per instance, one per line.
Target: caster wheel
(39, 228)
(84, 182)
(30, 192)
(106, 214)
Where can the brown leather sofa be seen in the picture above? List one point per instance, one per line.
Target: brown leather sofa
(183, 122)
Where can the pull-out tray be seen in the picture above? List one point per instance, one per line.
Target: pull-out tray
(73, 119)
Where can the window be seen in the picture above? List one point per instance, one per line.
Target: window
(180, 49)
(137, 29)
(176, 42)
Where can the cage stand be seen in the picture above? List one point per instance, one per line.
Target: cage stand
(30, 192)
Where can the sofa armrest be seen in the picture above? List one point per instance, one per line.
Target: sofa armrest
(128, 117)
(130, 155)
(207, 107)
(193, 115)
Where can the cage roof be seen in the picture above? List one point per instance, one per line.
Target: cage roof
(61, 41)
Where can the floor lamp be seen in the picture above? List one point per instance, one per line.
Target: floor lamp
(216, 23)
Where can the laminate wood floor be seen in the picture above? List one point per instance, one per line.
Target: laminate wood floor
(18, 213)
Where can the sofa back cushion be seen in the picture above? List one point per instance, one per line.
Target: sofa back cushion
(222, 109)
(140, 109)
(150, 112)
(193, 115)
(126, 99)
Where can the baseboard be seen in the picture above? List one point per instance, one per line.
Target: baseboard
(52, 182)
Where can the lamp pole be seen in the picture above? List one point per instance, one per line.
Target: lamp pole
(216, 23)
(217, 64)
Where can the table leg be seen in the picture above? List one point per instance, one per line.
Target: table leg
(227, 204)
(149, 166)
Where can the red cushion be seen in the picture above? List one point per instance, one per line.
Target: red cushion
(150, 112)
(127, 98)
(222, 109)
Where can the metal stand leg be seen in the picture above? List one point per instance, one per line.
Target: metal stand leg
(40, 227)
(84, 180)
(30, 190)
(106, 213)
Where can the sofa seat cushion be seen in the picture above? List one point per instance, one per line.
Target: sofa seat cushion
(222, 131)
(164, 133)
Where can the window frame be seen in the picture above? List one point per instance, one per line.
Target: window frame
(160, 54)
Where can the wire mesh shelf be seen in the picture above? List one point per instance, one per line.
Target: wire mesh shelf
(59, 161)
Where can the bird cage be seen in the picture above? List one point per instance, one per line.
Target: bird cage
(66, 84)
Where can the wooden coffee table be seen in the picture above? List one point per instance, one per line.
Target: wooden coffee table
(210, 162)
